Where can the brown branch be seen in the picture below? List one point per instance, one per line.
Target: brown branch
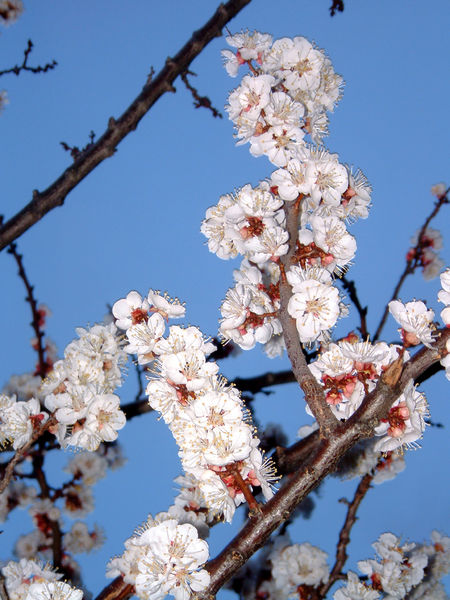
(38, 473)
(344, 535)
(413, 262)
(117, 130)
(17, 69)
(21, 453)
(350, 287)
(199, 101)
(3, 591)
(314, 394)
(35, 323)
(288, 460)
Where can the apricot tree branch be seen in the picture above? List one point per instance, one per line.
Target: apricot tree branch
(344, 535)
(350, 287)
(36, 317)
(106, 145)
(199, 101)
(17, 69)
(314, 394)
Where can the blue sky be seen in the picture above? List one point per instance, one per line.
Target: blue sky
(134, 222)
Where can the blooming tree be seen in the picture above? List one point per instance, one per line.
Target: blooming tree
(291, 289)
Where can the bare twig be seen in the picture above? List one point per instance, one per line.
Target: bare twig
(350, 287)
(344, 535)
(17, 69)
(199, 101)
(413, 261)
(43, 366)
(117, 130)
(39, 475)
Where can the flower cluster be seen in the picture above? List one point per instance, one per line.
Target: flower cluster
(207, 417)
(411, 570)
(162, 558)
(400, 569)
(290, 87)
(350, 369)
(78, 391)
(30, 580)
(416, 322)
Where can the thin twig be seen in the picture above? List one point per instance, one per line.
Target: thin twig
(350, 287)
(39, 475)
(106, 145)
(199, 101)
(413, 262)
(24, 67)
(344, 535)
(43, 366)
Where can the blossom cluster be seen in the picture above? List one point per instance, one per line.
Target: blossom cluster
(162, 558)
(286, 95)
(349, 369)
(292, 88)
(284, 570)
(411, 570)
(217, 443)
(77, 392)
(31, 580)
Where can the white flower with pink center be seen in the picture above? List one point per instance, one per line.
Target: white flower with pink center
(315, 308)
(251, 97)
(173, 554)
(405, 422)
(416, 322)
(130, 310)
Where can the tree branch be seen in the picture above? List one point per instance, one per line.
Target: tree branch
(117, 130)
(24, 67)
(350, 287)
(43, 367)
(314, 394)
(344, 535)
